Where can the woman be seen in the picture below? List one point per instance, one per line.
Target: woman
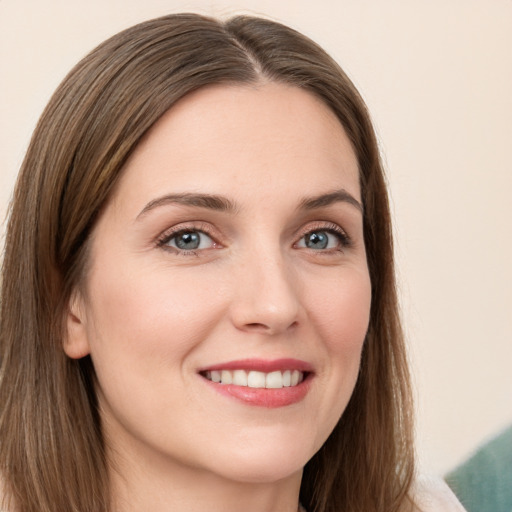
(198, 302)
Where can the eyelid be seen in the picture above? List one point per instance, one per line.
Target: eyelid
(330, 227)
(206, 228)
(168, 234)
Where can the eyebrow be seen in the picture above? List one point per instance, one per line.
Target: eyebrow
(223, 204)
(208, 201)
(312, 203)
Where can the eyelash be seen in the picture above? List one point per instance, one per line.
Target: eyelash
(331, 228)
(344, 240)
(174, 232)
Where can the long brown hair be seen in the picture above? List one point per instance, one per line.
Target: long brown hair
(52, 454)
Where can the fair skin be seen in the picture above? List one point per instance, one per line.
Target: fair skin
(233, 241)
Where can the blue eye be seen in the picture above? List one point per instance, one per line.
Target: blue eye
(323, 239)
(189, 240)
(318, 240)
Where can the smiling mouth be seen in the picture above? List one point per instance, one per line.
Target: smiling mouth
(256, 379)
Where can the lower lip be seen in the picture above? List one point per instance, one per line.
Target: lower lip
(264, 397)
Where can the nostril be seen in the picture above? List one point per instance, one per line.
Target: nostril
(257, 326)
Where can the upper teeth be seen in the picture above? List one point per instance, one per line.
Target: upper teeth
(254, 379)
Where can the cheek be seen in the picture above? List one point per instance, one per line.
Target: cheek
(341, 311)
(142, 325)
(141, 313)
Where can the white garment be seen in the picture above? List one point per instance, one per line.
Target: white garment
(433, 495)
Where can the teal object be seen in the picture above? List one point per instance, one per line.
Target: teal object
(484, 482)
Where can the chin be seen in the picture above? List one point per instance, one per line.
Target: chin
(264, 472)
(264, 462)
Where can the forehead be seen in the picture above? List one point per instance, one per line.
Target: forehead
(222, 138)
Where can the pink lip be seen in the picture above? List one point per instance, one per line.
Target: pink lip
(263, 397)
(262, 365)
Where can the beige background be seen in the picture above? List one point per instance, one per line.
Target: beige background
(437, 77)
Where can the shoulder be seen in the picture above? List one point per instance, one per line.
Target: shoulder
(431, 494)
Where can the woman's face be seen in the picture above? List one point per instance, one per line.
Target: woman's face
(232, 249)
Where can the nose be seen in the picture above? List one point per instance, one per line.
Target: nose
(266, 299)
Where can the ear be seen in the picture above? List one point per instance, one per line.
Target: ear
(76, 342)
